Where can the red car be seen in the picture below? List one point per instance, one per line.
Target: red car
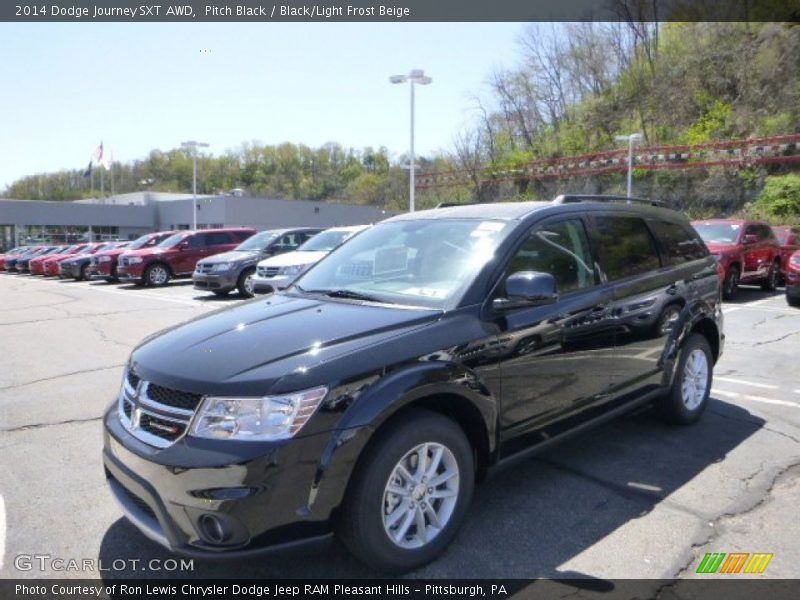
(10, 260)
(177, 255)
(104, 263)
(789, 239)
(50, 264)
(793, 280)
(747, 252)
(12, 252)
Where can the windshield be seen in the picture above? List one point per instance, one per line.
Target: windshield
(141, 242)
(428, 263)
(258, 241)
(724, 233)
(325, 241)
(173, 240)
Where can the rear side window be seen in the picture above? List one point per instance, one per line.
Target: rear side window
(197, 240)
(217, 238)
(624, 246)
(241, 236)
(678, 243)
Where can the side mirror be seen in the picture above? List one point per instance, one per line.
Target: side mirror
(183, 245)
(750, 238)
(527, 288)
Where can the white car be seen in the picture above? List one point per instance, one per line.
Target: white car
(278, 272)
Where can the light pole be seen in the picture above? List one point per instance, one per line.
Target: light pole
(634, 137)
(194, 146)
(417, 76)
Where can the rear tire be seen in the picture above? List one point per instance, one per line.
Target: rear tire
(156, 275)
(245, 283)
(82, 273)
(792, 301)
(686, 400)
(421, 509)
(731, 283)
(770, 282)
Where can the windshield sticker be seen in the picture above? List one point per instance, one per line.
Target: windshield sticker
(391, 260)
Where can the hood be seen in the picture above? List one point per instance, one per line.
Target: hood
(246, 349)
(112, 252)
(293, 258)
(232, 256)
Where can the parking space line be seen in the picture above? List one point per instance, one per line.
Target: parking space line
(2, 530)
(765, 386)
(750, 397)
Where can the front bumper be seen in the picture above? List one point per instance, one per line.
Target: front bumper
(216, 282)
(133, 273)
(169, 493)
(793, 284)
(267, 285)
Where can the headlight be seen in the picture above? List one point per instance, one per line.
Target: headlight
(103, 259)
(795, 261)
(219, 267)
(134, 260)
(256, 419)
(292, 270)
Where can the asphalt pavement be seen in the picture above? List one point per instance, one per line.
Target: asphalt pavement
(633, 499)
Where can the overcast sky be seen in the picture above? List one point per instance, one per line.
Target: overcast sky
(142, 86)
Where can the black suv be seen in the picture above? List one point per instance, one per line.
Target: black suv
(368, 398)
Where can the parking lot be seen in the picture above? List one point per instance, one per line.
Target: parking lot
(633, 499)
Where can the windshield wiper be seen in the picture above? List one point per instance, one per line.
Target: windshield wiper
(345, 293)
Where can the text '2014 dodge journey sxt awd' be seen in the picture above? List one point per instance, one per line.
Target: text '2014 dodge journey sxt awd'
(368, 399)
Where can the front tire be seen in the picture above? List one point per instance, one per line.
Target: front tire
(686, 400)
(408, 498)
(770, 282)
(156, 275)
(731, 283)
(245, 283)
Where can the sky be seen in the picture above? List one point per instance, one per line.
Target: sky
(142, 86)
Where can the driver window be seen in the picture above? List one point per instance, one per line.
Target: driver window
(561, 249)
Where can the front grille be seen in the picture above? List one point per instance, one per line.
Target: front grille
(174, 398)
(267, 271)
(169, 430)
(124, 262)
(156, 415)
(201, 268)
(133, 379)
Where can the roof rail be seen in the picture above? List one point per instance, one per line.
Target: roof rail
(571, 198)
(449, 204)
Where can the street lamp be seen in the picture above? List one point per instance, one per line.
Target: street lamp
(417, 76)
(194, 146)
(634, 137)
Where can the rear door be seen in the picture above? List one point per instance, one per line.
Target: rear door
(755, 254)
(220, 241)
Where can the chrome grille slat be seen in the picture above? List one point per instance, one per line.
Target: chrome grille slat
(155, 423)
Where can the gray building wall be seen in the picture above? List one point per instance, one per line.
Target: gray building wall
(164, 211)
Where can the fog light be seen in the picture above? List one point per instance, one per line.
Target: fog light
(214, 530)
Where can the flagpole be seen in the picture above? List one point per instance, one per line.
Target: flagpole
(102, 183)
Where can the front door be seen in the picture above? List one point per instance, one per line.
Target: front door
(555, 360)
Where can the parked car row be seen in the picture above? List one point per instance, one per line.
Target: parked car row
(217, 260)
(751, 252)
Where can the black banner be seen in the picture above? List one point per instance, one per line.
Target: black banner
(730, 588)
(187, 11)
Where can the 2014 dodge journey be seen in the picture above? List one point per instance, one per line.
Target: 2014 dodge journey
(367, 399)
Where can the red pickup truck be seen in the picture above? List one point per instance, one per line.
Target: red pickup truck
(747, 252)
(177, 255)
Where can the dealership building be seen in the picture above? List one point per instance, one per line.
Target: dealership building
(127, 216)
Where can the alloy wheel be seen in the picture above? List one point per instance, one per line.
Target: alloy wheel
(420, 495)
(695, 379)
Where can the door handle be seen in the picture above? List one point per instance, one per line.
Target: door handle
(672, 289)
